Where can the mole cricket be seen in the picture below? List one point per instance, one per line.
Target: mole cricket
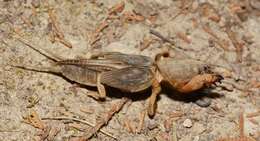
(129, 73)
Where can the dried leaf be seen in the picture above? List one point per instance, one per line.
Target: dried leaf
(34, 120)
(119, 7)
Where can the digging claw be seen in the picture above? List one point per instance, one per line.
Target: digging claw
(218, 78)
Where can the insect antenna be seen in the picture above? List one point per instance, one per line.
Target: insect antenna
(43, 52)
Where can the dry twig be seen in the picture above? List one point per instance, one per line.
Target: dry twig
(255, 114)
(219, 41)
(132, 16)
(44, 133)
(56, 33)
(241, 124)
(53, 132)
(119, 7)
(183, 8)
(81, 121)
(115, 108)
(176, 114)
(209, 11)
(34, 120)
(53, 21)
(168, 124)
(95, 36)
(27, 21)
(184, 37)
(159, 35)
(128, 125)
(238, 45)
(241, 137)
(146, 43)
(253, 121)
(141, 121)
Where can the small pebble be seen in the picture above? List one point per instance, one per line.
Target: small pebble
(187, 123)
(255, 4)
(196, 138)
(203, 102)
(152, 125)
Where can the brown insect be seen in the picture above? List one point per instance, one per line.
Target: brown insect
(129, 73)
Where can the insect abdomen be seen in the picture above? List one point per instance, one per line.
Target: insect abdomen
(80, 74)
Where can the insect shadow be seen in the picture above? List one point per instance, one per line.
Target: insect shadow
(137, 96)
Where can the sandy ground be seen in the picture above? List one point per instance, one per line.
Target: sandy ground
(197, 26)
